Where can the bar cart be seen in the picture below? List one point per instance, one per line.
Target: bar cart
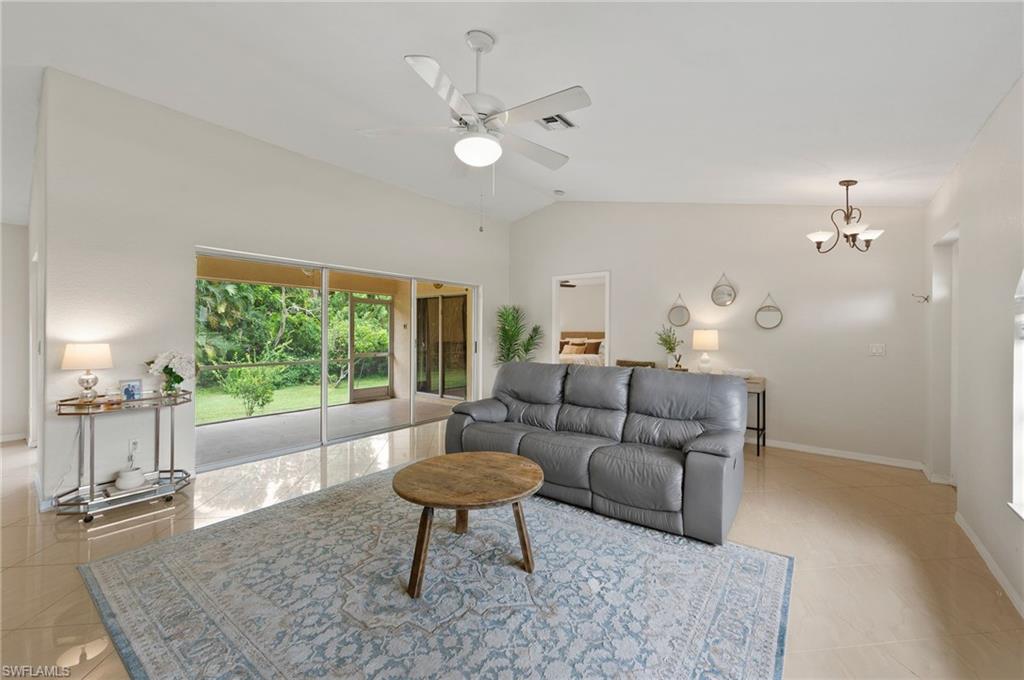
(92, 498)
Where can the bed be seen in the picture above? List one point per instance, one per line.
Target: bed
(582, 347)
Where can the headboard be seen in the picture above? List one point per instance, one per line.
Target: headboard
(596, 335)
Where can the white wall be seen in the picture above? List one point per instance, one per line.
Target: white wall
(581, 308)
(14, 333)
(823, 389)
(131, 188)
(982, 200)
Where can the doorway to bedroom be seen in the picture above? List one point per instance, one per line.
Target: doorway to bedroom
(580, 321)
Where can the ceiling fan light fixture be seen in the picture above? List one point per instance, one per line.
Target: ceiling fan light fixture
(478, 149)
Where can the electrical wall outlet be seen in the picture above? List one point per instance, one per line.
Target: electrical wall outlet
(876, 349)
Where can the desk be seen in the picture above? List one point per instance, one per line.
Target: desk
(758, 387)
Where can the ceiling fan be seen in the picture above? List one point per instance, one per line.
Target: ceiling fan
(480, 119)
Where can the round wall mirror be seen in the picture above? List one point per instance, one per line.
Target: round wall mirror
(723, 294)
(768, 317)
(678, 315)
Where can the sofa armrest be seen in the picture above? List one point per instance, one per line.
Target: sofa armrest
(725, 443)
(483, 411)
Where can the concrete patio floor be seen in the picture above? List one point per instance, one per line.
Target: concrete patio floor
(236, 441)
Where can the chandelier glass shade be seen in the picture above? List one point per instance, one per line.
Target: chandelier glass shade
(847, 227)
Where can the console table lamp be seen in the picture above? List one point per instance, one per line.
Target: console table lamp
(86, 357)
(705, 341)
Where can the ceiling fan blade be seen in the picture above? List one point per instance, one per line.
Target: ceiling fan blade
(428, 69)
(405, 131)
(570, 99)
(549, 158)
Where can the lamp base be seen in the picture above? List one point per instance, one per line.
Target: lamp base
(87, 381)
(705, 363)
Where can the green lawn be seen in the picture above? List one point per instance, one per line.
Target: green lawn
(214, 405)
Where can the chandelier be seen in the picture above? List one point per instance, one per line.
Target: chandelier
(855, 234)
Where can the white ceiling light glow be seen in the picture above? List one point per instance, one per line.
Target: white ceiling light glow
(478, 149)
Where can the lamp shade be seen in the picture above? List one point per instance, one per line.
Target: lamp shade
(86, 357)
(705, 340)
(478, 150)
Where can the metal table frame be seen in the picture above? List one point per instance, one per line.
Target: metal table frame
(759, 388)
(94, 497)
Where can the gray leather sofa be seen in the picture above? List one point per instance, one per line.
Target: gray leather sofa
(650, 446)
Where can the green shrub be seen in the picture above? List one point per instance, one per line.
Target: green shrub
(253, 386)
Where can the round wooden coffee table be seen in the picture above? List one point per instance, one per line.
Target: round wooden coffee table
(464, 482)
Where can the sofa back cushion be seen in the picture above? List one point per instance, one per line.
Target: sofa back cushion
(595, 401)
(532, 392)
(671, 408)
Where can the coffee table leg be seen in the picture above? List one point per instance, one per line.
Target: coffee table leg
(419, 557)
(461, 521)
(524, 538)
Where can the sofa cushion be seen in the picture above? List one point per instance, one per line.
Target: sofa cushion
(563, 456)
(598, 387)
(531, 392)
(495, 436)
(595, 401)
(718, 402)
(639, 475)
(672, 434)
(671, 408)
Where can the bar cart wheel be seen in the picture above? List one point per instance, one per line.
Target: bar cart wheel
(168, 499)
(88, 518)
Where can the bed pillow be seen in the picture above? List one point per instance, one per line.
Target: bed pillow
(561, 345)
(593, 347)
(574, 349)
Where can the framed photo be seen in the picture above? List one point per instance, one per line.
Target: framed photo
(130, 389)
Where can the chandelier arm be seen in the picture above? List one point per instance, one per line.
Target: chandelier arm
(863, 250)
(838, 232)
(855, 210)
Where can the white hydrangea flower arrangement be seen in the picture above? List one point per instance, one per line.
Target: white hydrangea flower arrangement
(174, 367)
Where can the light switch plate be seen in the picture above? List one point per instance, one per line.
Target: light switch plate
(877, 349)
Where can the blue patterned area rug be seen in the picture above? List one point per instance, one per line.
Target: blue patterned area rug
(315, 588)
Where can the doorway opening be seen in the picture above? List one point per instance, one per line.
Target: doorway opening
(580, 319)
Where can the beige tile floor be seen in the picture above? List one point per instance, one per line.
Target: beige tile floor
(886, 585)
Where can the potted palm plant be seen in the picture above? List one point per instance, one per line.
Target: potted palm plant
(515, 343)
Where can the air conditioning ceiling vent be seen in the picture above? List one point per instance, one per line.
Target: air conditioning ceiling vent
(556, 122)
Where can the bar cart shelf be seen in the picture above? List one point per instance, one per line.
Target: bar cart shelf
(92, 498)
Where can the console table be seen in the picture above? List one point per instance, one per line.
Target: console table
(94, 497)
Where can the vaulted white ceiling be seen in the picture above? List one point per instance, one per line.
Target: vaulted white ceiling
(751, 103)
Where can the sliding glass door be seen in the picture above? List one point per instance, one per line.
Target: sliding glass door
(444, 348)
(257, 347)
(372, 344)
(292, 356)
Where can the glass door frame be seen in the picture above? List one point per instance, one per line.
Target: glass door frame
(470, 351)
(370, 393)
(475, 297)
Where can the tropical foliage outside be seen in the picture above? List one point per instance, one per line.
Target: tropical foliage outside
(242, 324)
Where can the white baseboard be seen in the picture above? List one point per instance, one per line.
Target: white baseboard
(1014, 597)
(850, 455)
(13, 437)
(936, 478)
